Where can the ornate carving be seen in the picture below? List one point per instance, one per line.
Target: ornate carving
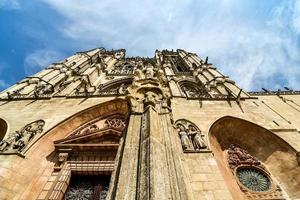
(43, 89)
(238, 156)
(18, 140)
(86, 129)
(192, 139)
(62, 158)
(116, 123)
(123, 68)
(251, 175)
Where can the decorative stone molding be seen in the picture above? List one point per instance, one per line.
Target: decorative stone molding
(115, 122)
(16, 142)
(192, 138)
(251, 175)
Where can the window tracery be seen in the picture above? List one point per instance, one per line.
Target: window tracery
(118, 87)
(192, 138)
(192, 90)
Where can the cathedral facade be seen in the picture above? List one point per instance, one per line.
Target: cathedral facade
(100, 125)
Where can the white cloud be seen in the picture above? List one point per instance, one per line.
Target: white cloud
(254, 42)
(39, 59)
(10, 4)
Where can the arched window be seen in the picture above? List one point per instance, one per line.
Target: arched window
(117, 87)
(193, 90)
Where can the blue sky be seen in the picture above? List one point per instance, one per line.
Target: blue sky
(255, 42)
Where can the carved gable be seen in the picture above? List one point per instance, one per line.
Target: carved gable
(97, 134)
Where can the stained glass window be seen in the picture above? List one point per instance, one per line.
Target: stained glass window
(254, 179)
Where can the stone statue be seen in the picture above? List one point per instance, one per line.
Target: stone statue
(21, 143)
(197, 137)
(185, 141)
(149, 71)
(5, 144)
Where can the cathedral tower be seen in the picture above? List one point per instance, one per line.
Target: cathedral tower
(100, 125)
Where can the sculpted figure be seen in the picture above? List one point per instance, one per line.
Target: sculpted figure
(198, 138)
(42, 88)
(185, 141)
(8, 142)
(150, 98)
(20, 144)
(149, 72)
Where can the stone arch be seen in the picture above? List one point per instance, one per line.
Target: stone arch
(191, 89)
(278, 157)
(51, 158)
(3, 128)
(61, 130)
(117, 86)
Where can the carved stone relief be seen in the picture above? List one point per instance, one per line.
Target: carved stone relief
(115, 122)
(43, 89)
(17, 141)
(192, 138)
(123, 68)
(251, 175)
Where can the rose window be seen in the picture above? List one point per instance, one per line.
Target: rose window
(254, 179)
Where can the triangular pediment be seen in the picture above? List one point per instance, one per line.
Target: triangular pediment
(107, 138)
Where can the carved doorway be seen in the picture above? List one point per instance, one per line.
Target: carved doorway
(85, 160)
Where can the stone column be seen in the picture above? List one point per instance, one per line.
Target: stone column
(127, 177)
(150, 166)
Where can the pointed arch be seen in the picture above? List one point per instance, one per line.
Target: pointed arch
(191, 89)
(86, 143)
(114, 87)
(64, 128)
(278, 157)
